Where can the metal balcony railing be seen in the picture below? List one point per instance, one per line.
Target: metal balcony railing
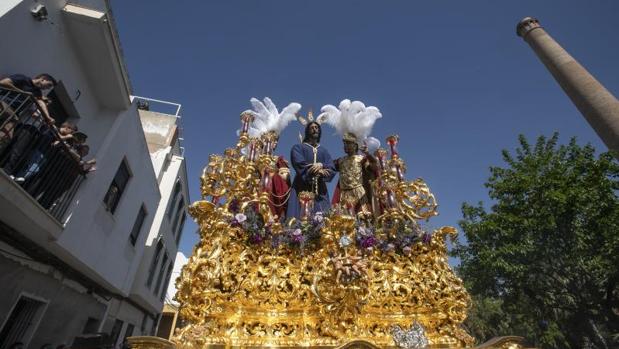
(33, 154)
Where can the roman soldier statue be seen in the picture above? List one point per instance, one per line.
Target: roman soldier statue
(354, 122)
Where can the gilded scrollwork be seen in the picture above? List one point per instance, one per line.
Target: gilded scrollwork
(232, 293)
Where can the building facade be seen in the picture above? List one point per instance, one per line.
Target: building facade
(76, 257)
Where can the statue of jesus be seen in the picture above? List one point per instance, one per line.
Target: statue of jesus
(313, 168)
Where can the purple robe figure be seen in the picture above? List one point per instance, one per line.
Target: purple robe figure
(302, 157)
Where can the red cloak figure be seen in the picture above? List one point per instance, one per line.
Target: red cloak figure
(280, 188)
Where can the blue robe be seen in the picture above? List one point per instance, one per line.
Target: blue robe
(302, 157)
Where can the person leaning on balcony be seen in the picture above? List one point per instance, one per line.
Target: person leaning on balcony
(49, 167)
(67, 167)
(24, 84)
(18, 133)
(35, 87)
(87, 166)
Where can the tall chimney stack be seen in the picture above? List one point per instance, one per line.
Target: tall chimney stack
(596, 104)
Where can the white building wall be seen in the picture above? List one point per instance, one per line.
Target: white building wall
(95, 236)
(161, 227)
(94, 241)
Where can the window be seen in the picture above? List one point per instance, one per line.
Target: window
(180, 211)
(177, 190)
(164, 289)
(115, 333)
(166, 325)
(153, 264)
(161, 273)
(180, 229)
(155, 323)
(117, 187)
(22, 322)
(137, 226)
(129, 330)
(92, 325)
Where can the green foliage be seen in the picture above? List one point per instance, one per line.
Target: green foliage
(543, 262)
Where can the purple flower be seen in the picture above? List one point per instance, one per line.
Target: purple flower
(275, 242)
(234, 206)
(368, 242)
(256, 238)
(427, 237)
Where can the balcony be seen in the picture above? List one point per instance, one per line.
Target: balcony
(38, 162)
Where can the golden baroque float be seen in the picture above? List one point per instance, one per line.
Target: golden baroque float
(235, 293)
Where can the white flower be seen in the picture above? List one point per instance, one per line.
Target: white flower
(345, 241)
(318, 217)
(362, 231)
(297, 232)
(240, 217)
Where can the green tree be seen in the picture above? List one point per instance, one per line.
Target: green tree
(543, 262)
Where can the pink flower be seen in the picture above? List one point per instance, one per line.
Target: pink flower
(240, 218)
(297, 232)
(407, 250)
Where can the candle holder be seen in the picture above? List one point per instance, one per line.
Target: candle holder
(246, 119)
(306, 199)
(269, 140)
(253, 150)
(393, 142)
(391, 202)
(398, 168)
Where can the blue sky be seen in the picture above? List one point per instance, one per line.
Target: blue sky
(450, 77)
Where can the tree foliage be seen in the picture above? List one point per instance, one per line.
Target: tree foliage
(543, 262)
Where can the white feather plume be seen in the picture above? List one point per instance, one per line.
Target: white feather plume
(268, 118)
(353, 117)
(373, 144)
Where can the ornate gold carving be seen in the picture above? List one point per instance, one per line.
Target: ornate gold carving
(337, 295)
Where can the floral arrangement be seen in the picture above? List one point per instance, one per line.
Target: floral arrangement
(394, 236)
(297, 234)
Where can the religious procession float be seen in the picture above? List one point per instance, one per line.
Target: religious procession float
(281, 263)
